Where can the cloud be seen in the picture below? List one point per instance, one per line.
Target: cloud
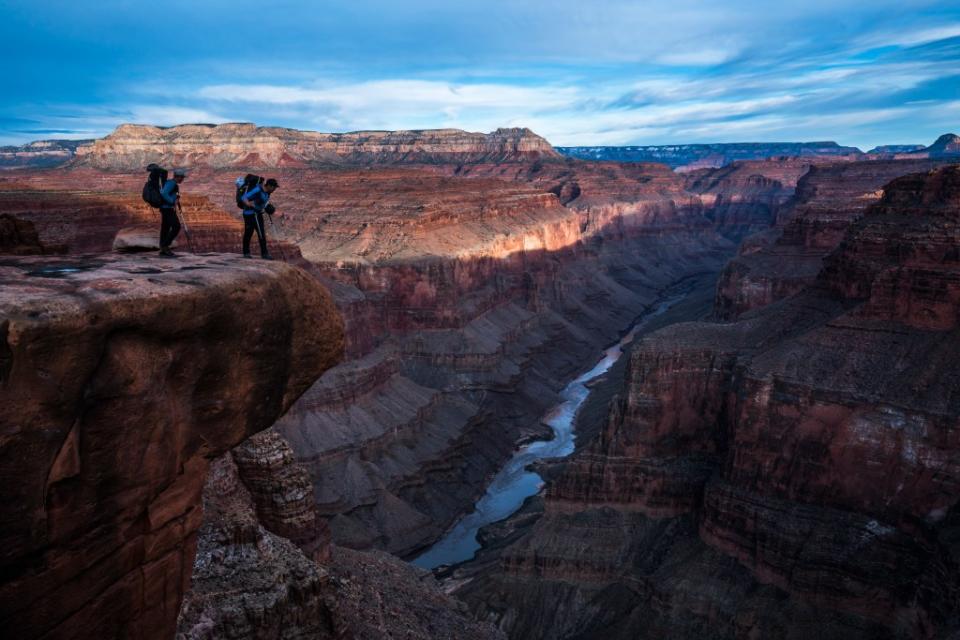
(164, 116)
(911, 37)
(696, 58)
(399, 93)
(609, 72)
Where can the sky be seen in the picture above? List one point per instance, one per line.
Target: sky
(602, 72)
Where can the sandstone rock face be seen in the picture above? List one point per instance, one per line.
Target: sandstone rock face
(133, 147)
(745, 197)
(119, 380)
(139, 238)
(828, 199)
(282, 492)
(790, 475)
(251, 583)
(248, 582)
(19, 237)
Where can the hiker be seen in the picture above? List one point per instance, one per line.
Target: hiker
(169, 222)
(255, 202)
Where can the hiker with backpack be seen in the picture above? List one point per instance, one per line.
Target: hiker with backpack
(169, 222)
(253, 196)
(164, 194)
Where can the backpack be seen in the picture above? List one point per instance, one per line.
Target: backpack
(245, 185)
(152, 187)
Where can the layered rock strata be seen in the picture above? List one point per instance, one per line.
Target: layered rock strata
(120, 379)
(73, 221)
(251, 583)
(132, 147)
(788, 475)
(745, 197)
(782, 261)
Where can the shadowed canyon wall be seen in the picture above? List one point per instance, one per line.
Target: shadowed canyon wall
(120, 380)
(788, 475)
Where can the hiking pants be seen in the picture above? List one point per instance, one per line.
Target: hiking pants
(169, 227)
(254, 222)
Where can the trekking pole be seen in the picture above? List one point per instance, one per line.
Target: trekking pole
(279, 246)
(186, 229)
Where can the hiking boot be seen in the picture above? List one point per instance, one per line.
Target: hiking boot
(247, 255)
(166, 253)
(267, 256)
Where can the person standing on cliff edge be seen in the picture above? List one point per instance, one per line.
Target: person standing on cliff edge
(255, 203)
(169, 223)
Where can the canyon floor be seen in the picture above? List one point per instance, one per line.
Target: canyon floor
(773, 457)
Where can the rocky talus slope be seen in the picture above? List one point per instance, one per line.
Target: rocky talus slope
(132, 147)
(250, 582)
(120, 379)
(791, 475)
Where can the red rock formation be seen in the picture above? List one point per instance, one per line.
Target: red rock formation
(19, 237)
(780, 263)
(282, 493)
(249, 582)
(747, 196)
(789, 475)
(119, 380)
(132, 147)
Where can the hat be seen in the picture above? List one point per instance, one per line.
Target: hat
(180, 172)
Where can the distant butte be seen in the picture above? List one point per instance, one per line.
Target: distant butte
(233, 145)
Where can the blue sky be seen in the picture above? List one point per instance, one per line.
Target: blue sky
(579, 73)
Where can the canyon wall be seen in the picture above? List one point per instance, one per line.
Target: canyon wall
(697, 156)
(252, 581)
(120, 378)
(132, 147)
(790, 475)
(782, 261)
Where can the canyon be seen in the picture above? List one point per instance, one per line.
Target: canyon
(790, 474)
(739, 476)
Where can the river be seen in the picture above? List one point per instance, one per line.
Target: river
(514, 483)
